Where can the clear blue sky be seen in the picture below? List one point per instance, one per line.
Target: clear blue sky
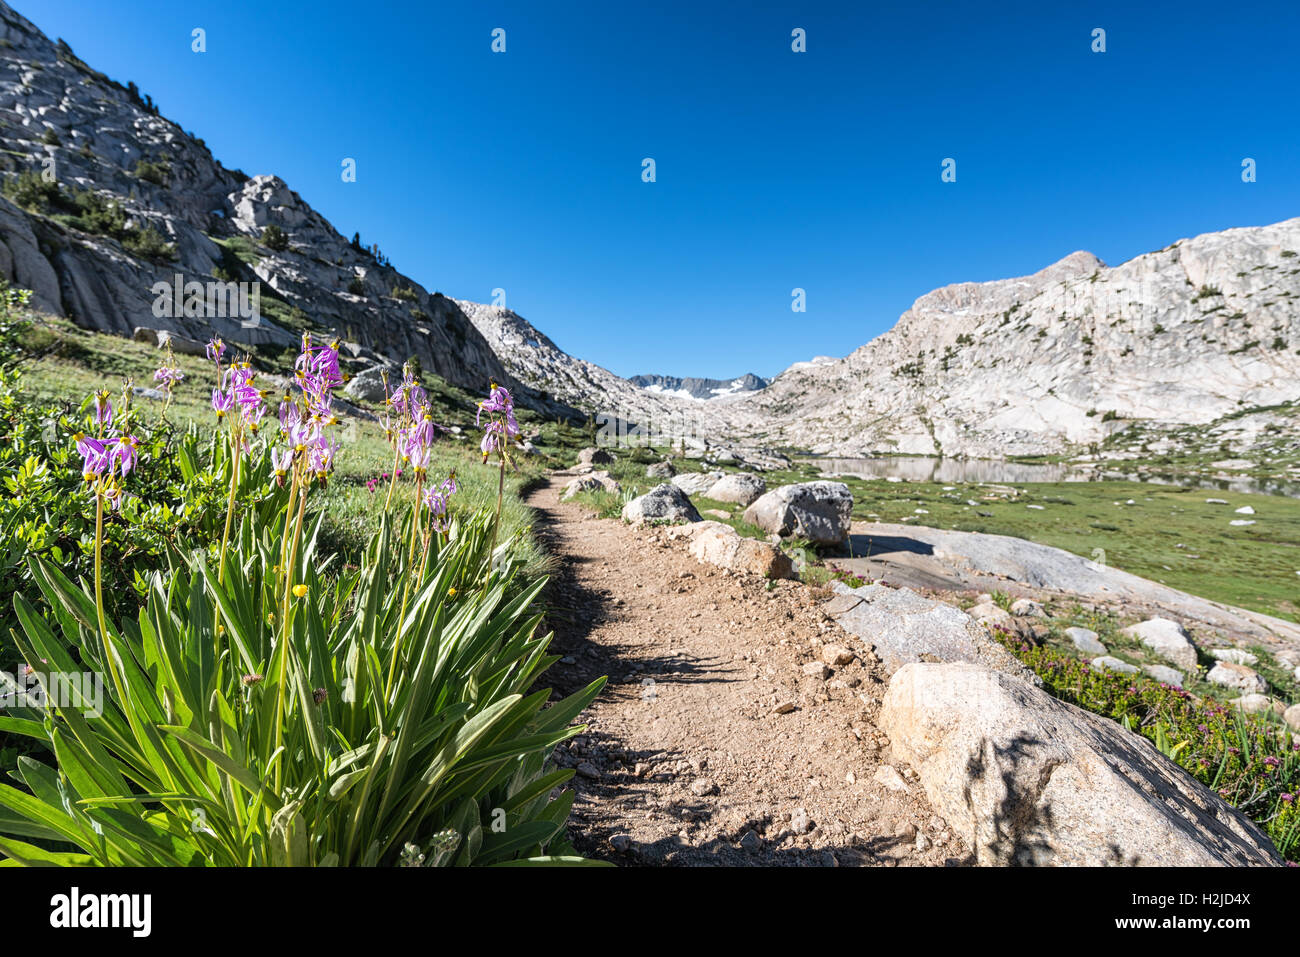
(819, 170)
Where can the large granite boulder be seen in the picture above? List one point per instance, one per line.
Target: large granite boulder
(663, 503)
(1027, 779)
(694, 483)
(723, 546)
(739, 487)
(818, 511)
(367, 385)
(1168, 639)
(902, 626)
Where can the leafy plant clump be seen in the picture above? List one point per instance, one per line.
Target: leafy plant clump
(268, 705)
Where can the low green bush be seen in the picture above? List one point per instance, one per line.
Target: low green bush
(1252, 762)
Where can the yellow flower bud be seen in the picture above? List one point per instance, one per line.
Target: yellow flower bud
(300, 591)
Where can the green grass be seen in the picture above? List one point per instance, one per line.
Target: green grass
(73, 363)
(1169, 534)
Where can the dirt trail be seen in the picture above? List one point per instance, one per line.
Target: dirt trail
(686, 760)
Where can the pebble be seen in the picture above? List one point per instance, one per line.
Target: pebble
(887, 776)
(751, 842)
(621, 843)
(816, 669)
(836, 655)
(785, 707)
(701, 787)
(588, 770)
(799, 822)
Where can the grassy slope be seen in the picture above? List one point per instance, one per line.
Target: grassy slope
(73, 363)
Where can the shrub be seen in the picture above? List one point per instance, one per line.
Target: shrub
(150, 172)
(356, 286)
(148, 243)
(273, 237)
(406, 293)
(1250, 762)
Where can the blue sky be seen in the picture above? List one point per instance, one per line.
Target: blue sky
(775, 170)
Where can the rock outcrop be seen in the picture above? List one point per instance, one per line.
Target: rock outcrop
(901, 626)
(818, 511)
(742, 488)
(1027, 779)
(106, 140)
(663, 503)
(1063, 359)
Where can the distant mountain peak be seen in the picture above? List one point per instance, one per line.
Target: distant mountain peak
(696, 388)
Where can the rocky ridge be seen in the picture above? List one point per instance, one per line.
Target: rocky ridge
(693, 388)
(1202, 330)
(59, 114)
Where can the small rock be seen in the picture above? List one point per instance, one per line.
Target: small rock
(701, 787)
(784, 707)
(750, 841)
(1245, 510)
(1254, 703)
(1110, 663)
(1168, 639)
(588, 770)
(1027, 608)
(1086, 640)
(922, 842)
(1170, 676)
(799, 822)
(1240, 677)
(816, 669)
(621, 843)
(1292, 717)
(1238, 656)
(836, 655)
(889, 777)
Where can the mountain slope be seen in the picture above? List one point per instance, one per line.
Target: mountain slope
(83, 241)
(1059, 360)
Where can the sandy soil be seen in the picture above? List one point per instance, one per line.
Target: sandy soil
(720, 738)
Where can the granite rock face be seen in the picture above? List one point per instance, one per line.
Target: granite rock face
(1027, 779)
(1030, 365)
(665, 503)
(818, 511)
(901, 626)
(60, 114)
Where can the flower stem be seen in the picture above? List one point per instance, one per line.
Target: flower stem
(406, 590)
(285, 635)
(237, 447)
(392, 481)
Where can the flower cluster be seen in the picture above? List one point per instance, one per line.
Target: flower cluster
(306, 417)
(435, 499)
(408, 423)
(110, 454)
(235, 395)
(168, 377)
(501, 426)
